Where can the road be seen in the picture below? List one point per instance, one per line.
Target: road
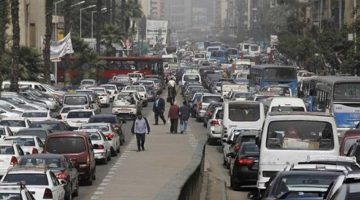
(86, 192)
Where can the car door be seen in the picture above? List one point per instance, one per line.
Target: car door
(72, 172)
(57, 189)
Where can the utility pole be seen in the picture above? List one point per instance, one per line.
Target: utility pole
(340, 13)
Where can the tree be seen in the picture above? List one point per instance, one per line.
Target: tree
(48, 33)
(31, 64)
(135, 13)
(14, 87)
(98, 24)
(111, 34)
(4, 16)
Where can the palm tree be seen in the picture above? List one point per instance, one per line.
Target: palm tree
(48, 33)
(4, 6)
(14, 87)
(135, 14)
(98, 24)
(111, 34)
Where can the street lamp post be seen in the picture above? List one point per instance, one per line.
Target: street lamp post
(92, 21)
(91, 6)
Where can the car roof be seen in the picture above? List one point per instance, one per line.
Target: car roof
(299, 113)
(103, 115)
(34, 129)
(81, 110)
(43, 155)
(27, 170)
(14, 118)
(68, 134)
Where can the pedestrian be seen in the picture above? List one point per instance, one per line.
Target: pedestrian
(159, 108)
(174, 117)
(171, 90)
(184, 114)
(140, 128)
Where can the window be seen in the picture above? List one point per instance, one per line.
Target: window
(73, 145)
(7, 150)
(111, 120)
(10, 196)
(300, 135)
(347, 91)
(244, 112)
(29, 132)
(80, 114)
(208, 99)
(279, 74)
(25, 141)
(13, 123)
(100, 127)
(75, 100)
(30, 179)
(35, 114)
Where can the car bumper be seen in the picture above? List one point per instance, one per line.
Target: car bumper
(100, 155)
(201, 113)
(104, 101)
(244, 176)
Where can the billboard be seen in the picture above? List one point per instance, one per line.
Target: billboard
(156, 31)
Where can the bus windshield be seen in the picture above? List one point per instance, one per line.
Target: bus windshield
(347, 91)
(279, 74)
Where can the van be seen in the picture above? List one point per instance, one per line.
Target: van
(78, 99)
(248, 115)
(288, 138)
(287, 104)
(77, 147)
(190, 77)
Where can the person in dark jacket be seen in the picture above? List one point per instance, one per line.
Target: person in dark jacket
(140, 128)
(159, 108)
(184, 114)
(174, 117)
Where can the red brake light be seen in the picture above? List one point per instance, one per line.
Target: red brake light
(62, 175)
(246, 162)
(214, 122)
(237, 147)
(34, 151)
(110, 136)
(48, 194)
(210, 113)
(13, 161)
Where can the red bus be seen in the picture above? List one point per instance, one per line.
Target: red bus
(112, 66)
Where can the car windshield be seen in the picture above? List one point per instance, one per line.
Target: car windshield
(209, 99)
(244, 112)
(287, 109)
(27, 142)
(48, 126)
(10, 196)
(298, 183)
(298, 135)
(94, 136)
(278, 74)
(7, 150)
(67, 109)
(99, 91)
(13, 123)
(87, 82)
(111, 120)
(36, 161)
(30, 179)
(35, 114)
(191, 78)
(28, 132)
(75, 100)
(99, 127)
(109, 87)
(347, 91)
(79, 114)
(249, 148)
(73, 145)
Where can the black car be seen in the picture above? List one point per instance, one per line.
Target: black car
(245, 165)
(52, 126)
(300, 184)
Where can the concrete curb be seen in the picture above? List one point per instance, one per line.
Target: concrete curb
(173, 189)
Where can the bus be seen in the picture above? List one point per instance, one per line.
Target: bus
(219, 56)
(112, 66)
(337, 95)
(262, 76)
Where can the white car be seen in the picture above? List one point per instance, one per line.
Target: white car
(77, 117)
(227, 143)
(87, 83)
(10, 154)
(42, 183)
(29, 144)
(139, 88)
(65, 109)
(104, 96)
(5, 131)
(7, 112)
(126, 105)
(37, 115)
(102, 147)
(109, 132)
(112, 88)
(15, 123)
(214, 126)
(15, 191)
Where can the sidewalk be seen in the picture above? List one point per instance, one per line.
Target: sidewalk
(141, 175)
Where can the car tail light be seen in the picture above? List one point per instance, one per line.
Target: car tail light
(246, 162)
(63, 175)
(110, 136)
(209, 114)
(237, 147)
(13, 161)
(100, 146)
(48, 194)
(214, 122)
(34, 151)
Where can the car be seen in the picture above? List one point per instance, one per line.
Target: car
(42, 133)
(75, 118)
(51, 125)
(112, 88)
(15, 123)
(214, 126)
(104, 96)
(5, 131)
(297, 184)
(94, 100)
(15, 97)
(113, 120)
(346, 186)
(346, 161)
(102, 146)
(350, 137)
(42, 182)
(110, 133)
(14, 106)
(126, 105)
(141, 90)
(79, 151)
(244, 169)
(210, 110)
(29, 144)
(62, 168)
(10, 154)
(37, 115)
(65, 109)
(87, 82)
(15, 191)
(8, 112)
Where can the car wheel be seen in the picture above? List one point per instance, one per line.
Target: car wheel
(109, 157)
(104, 161)
(232, 184)
(113, 152)
(68, 195)
(205, 125)
(90, 180)
(94, 175)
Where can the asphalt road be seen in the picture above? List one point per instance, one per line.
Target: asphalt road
(86, 192)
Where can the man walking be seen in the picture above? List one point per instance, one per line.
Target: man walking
(174, 117)
(184, 113)
(159, 108)
(140, 128)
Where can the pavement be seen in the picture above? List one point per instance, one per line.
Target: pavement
(142, 175)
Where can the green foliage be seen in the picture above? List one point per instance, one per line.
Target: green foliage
(111, 35)
(31, 63)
